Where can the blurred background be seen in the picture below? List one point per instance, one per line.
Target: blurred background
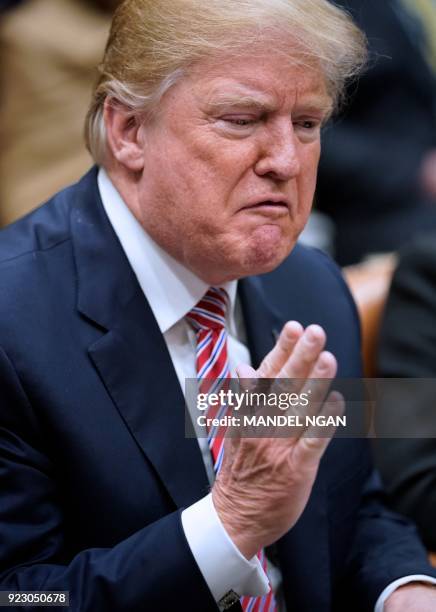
(49, 50)
(377, 178)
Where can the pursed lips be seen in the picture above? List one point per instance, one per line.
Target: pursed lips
(271, 203)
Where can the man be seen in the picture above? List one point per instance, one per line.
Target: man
(206, 126)
(407, 348)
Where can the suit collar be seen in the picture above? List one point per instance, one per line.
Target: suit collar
(105, 281)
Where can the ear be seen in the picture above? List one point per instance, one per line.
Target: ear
(125, 135)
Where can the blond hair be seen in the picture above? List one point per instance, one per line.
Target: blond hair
(153, 43)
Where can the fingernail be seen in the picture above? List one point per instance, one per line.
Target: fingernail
(314, 334)
(322, 367)
(311, 337)
(293, 328)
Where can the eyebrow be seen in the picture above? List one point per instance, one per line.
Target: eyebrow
(265, 103)
(322, 104)
(224, 100)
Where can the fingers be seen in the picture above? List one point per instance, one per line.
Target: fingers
(298, 364)
(317, 385)
(276, 359)
(305, 355)
(325, 366)
(296, 354)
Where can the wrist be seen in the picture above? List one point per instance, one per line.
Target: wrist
(235, 527)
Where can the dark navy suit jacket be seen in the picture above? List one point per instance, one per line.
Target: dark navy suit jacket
(94, 465)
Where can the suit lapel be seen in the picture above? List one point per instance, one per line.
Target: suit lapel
(131, 356)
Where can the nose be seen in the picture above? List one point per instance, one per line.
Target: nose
(279, 157)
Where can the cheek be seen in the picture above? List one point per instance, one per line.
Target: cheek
(215, 169)
(201, 184)
(307, 180)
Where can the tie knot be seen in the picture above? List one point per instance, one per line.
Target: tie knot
(210, 312)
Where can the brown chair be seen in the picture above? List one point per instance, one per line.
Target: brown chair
(369, 283)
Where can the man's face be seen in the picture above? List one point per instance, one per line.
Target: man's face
(230, 165)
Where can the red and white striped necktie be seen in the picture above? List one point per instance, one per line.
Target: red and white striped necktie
(208, 318)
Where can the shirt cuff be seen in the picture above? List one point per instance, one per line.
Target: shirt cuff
(222, 565)
(379, 606)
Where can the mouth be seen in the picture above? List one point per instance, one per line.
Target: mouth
(273, 201)
(268, 207)
(269, 204)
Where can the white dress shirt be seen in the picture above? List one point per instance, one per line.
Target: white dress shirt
(161, 278)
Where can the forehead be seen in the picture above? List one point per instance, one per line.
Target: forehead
(270, 80)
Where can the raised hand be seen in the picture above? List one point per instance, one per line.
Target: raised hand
(265, 483)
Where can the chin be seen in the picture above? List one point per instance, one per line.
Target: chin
(263, 252)
(268, 249)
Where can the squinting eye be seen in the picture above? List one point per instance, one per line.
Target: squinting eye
(308, 128)
(239, 121)
(307, 125)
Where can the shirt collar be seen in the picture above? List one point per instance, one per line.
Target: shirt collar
(160, 276)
